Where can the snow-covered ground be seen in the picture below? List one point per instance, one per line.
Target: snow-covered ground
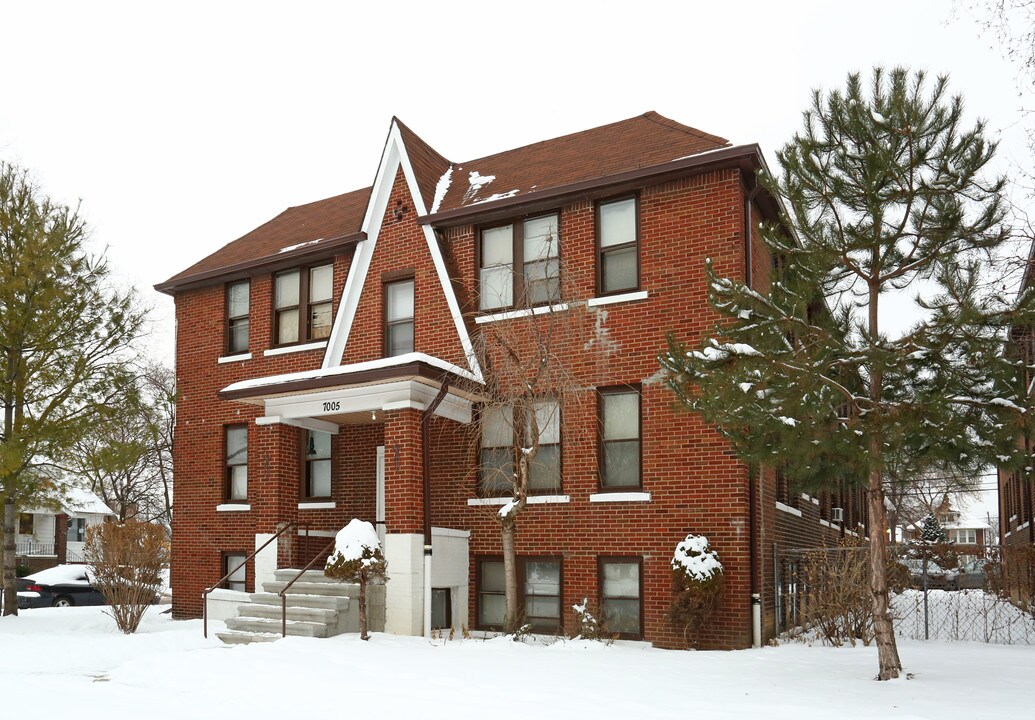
(73, 662)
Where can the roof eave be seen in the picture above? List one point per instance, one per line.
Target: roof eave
(270, 262)
(415, 369)
(747, 156)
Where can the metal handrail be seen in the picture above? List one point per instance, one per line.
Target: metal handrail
(204, 594)
(283, 593)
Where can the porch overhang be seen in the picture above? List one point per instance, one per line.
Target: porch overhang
(327, 398)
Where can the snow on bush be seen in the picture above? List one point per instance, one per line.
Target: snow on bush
(356, 541)
(698, 582)
(357, 558)
(588, 625)
(695, 558)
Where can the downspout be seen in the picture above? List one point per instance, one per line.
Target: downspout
(749, 238)
(425, 441)
(754, 483)
(756, 595)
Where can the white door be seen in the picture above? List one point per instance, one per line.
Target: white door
(380, 509)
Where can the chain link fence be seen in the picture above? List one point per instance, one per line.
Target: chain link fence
(939, 592)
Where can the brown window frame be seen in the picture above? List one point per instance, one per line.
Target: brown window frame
(232, 319)
(224, 558)
(305, 302)
(517, 261)
(387, 280)
(228, 468)
(522, 561)
(480, 489)
(304, 470)
(601, 393)
(599, 251)
(628, 559)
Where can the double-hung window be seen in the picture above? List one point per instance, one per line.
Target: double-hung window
(621, 595)
(501, 441)
(26, 523)
(399, 312)
(237, 301)
(539, 587)
(618, 252)
(619, 460)
(317, 464)
(519, 264)
(234, 564)
(236, 462)
(302, 304)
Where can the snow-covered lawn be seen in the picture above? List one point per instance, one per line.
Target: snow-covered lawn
(72, 662)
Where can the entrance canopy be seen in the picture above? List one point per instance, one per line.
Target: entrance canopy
(327, 398)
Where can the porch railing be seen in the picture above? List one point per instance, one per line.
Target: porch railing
(29, 548)
(205, 593)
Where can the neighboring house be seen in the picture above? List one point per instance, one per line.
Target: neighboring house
(968, 533)
(46, 538)
(312, 350)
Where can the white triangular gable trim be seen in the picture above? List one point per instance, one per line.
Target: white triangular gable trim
(392, 158)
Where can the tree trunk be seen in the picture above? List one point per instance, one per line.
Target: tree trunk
(513, 617)
(884, 631)
(10, 585)
(363, 635)
(887, 649)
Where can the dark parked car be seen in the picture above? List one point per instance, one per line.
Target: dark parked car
(937, 577)
(61, 586)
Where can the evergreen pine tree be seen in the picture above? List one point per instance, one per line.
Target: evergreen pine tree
(884, 190)
(932, 532)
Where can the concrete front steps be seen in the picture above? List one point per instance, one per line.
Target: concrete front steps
(317, 607)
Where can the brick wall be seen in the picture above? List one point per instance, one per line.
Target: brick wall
(695, 482)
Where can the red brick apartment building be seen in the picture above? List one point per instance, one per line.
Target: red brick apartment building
(311, 352)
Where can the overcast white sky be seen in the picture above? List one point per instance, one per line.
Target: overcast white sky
(181, 126)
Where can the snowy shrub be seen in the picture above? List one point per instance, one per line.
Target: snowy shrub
(127, 562)
(588, 626)
(698, 584)
(357, 558)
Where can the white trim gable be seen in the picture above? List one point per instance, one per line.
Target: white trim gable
(393, 157)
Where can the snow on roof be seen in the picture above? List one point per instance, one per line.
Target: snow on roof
(442, 188)
(79, 501)
(347, 369)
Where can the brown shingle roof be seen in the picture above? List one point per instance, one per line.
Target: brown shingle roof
(303, 226)
(643, 141)
(428, 165)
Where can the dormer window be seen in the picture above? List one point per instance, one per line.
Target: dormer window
(302, 301)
